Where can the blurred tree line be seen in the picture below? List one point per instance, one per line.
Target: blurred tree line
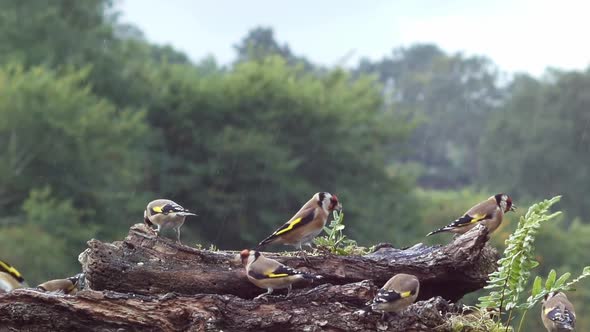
(97, 121)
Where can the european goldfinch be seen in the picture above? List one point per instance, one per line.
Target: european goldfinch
(165, 213)
(557, 313)
(397, 294)
(69, 285)
(488, 213)
(270, 274)
(307, 223)
(10, 278)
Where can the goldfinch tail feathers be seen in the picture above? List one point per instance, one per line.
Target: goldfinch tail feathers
(440, 230)
(186, 213)
(312, 277)
(364, 310)
(266, 241)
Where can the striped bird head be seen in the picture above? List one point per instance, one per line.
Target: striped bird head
(328, 201)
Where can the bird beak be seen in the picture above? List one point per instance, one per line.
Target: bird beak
(186, 214)
(513, 208)
(339, 207)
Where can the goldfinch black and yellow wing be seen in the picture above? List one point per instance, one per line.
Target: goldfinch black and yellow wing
(561, 316)
(7, 268)
(464, 221)
(389, 296)
(480, 212)
(301, 219)
(279, 272)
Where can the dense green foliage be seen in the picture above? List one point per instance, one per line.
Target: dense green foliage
(97, 121)
(451, 97)
(509, 282)
(336, 242)
(554, 144)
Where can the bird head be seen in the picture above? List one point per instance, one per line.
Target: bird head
(248, 256)
(244, 256)
(548, 296)
(551, 295)
(505, 202)
(328, 201)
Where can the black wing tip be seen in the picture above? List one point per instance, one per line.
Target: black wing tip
(312, 276)
(440, 230)
(266, 241)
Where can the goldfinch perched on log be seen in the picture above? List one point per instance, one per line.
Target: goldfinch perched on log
(270, 274)
(557, 313)
(165, 213)
(398, 293)
(10, 278)
(307, 223)
(64, 286)
(488, 213)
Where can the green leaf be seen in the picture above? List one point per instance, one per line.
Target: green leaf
(550, 279)
(562, 279)
(511, 279)
(537, 286)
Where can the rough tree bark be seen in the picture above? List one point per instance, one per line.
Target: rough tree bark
(153, 284)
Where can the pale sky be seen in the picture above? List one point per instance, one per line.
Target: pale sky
(518, 35)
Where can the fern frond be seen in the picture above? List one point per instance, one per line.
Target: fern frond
(509, 281)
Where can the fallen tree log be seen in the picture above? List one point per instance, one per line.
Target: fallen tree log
(146, 264)
(149, 283)
(324, 308)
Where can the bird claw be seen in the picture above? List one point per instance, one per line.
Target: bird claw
(261, 297)
(301, 254)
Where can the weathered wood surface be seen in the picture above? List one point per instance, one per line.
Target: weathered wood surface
(144, 264)
(149, 283)
(324, 308)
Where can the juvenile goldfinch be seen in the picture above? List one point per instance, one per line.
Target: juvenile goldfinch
(557, 313)
(488, 213)
(270, 274)
(10, 278)
(69, 285)
(307, 223)
(165, 213)
(397, 294)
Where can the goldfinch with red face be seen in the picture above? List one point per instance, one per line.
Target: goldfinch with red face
(307, 223)
(269, 274)
(557, 313)
(68, 286)
(398, 293)
(165, 213)
(488, 213)
(10, 278)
